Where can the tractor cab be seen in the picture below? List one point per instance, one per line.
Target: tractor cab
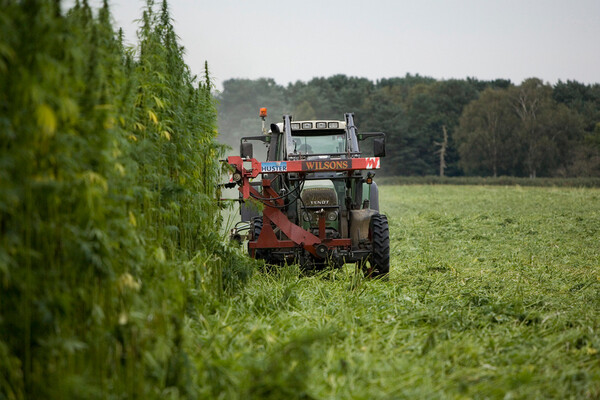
(317, 139)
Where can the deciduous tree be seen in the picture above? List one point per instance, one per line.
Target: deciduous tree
(487, 134)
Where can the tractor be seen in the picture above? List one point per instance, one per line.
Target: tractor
(316, 202)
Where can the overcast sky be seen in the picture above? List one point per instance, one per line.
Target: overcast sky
(302, 39)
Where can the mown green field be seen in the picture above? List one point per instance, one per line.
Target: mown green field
(494, 293)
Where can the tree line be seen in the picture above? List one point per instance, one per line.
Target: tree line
(492, 127)
(108, 172)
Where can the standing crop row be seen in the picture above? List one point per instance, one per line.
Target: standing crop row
(108, 165)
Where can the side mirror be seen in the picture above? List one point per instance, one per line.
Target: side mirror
(246, 150)
(379, 147)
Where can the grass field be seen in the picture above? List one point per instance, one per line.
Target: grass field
(494, 293)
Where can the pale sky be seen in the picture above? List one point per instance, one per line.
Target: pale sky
(302, 39)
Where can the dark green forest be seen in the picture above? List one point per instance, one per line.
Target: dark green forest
(494, 128)
(108, 165)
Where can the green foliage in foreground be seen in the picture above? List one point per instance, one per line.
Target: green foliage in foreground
(494, 293)
(108, 172)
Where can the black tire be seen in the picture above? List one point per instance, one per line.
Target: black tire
(256, 228)
(379, 234)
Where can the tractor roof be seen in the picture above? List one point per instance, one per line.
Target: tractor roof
(315, 125)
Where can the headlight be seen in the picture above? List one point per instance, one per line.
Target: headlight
(332, 215)
(306, 217)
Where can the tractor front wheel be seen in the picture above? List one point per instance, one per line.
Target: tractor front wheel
(379, 234)
(256, 228)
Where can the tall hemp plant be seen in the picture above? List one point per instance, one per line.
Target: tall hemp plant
(108, 168)
(65, 236)
(182, 170)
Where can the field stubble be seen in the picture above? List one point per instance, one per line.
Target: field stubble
(494, 293)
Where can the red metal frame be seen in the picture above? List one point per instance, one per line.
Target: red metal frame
(251, 168)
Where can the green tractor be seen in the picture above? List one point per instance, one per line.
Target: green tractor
(316, 202)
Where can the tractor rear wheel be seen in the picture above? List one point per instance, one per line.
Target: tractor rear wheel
(379, 234)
